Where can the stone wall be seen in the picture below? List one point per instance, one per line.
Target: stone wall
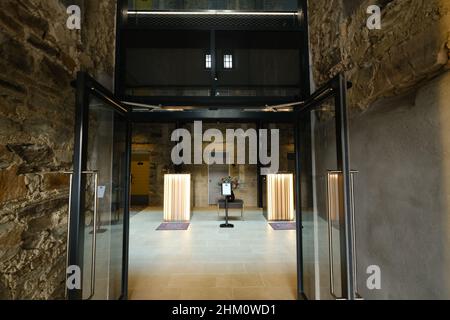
(398, 136)
(39, 57)
(412, 46)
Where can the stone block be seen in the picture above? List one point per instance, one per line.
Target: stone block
(11, 87)
(6, 157)
(12, 186)
(54, 181)
(7, 128)
(10, 23)
(10, 239)
(52, 71)
(33, 156)
(17, 55)
(28, 17)
(42, 45)
(43, 208)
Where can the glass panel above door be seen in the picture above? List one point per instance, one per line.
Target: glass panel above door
(189, 5)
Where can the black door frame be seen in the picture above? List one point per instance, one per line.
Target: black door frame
(335, 89)
(85, 87)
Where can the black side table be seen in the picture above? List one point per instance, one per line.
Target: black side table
(236, 204)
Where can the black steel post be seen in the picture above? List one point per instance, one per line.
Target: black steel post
(126, 218)
(346, 226)
(213, 63)
(77, 202)
(298, 207)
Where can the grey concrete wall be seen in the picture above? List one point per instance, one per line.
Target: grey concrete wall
(401, 150)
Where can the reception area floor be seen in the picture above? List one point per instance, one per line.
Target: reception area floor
(251, 261)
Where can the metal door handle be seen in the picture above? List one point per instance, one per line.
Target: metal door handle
(330, 237)
(94, 232)
(355, 255)
(68, 221)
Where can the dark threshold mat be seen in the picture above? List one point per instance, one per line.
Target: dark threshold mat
(173, 226)
(283, 225)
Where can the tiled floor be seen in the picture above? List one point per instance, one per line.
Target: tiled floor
(251, 261)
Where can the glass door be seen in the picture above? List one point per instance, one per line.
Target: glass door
(326, 197)
(98, 217)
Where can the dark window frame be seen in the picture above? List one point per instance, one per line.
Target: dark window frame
(233, 60)
(205, 60)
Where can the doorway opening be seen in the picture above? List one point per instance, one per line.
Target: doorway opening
(252, 261)
(266, 96)
(313, 114)
(140, 179)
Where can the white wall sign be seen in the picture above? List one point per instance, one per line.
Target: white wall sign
(101, 192)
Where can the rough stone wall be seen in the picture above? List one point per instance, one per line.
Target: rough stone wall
(412, 46)
(39, 57)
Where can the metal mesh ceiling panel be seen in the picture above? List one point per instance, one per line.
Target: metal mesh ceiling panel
(220, 22)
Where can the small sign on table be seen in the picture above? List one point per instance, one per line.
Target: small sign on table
(226, 189)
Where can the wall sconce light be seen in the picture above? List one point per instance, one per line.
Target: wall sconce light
(177, 197)
(280, 197)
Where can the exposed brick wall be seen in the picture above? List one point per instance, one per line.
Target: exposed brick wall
(39, 57)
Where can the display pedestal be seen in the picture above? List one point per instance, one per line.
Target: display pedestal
(226, 224)
(177, 197)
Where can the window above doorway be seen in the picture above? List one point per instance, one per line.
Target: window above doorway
(228, 61)
(208, 61)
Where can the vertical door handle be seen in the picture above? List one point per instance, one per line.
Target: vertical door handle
(355, 255)
(94, 240)
(94, 232)
(353, 235)
(69, 212)
(330, 234)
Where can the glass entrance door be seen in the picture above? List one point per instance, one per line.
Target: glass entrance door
(326, 197)
(98, 218)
